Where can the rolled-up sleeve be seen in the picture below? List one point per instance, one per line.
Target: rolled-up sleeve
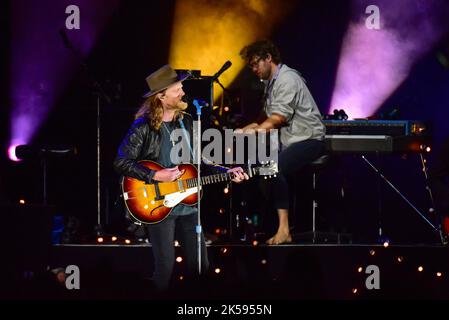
(284, 96)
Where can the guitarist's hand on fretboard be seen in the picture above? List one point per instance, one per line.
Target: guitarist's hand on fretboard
(239, 174)
(168, 174)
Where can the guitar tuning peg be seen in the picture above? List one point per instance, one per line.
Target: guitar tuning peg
(274, 176)
(265, 177)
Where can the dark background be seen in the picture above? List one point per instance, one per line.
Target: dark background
(123, 57)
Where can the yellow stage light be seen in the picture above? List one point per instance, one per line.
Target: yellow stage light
(206, 41)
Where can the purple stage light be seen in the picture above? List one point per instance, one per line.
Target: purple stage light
(41, 65)
(373, 63)
(12, 152)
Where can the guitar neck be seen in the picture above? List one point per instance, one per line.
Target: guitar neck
(219, 177)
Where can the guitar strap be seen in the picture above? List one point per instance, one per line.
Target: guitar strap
(186, 136)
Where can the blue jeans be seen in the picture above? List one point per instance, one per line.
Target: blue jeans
(162, 236)
(290, 161)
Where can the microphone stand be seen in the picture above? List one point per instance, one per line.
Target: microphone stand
(219, 83)
(198, 153)
(100, 95)
(198, 106)
(237, 216)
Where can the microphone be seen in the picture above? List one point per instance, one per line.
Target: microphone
(225, 67)
(187, 99)
(65, 39)
(200, 103)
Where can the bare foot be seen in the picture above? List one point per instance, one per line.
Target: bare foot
(280, 238)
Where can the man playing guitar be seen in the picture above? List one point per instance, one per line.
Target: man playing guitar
(149, 138)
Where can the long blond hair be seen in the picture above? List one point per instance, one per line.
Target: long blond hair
(152, 109)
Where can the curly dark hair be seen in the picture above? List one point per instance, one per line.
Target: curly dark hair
(261, 49)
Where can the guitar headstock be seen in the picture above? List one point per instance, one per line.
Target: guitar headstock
(268, 169)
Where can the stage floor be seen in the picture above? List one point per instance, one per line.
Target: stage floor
(246, 271)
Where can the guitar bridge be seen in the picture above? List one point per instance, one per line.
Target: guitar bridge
(157, 191)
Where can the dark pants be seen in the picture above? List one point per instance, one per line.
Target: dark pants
(290, 161)
(162, 236)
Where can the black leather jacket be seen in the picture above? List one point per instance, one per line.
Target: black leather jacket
(142, 142)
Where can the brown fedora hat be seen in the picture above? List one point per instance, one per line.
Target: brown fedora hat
(161, 79)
